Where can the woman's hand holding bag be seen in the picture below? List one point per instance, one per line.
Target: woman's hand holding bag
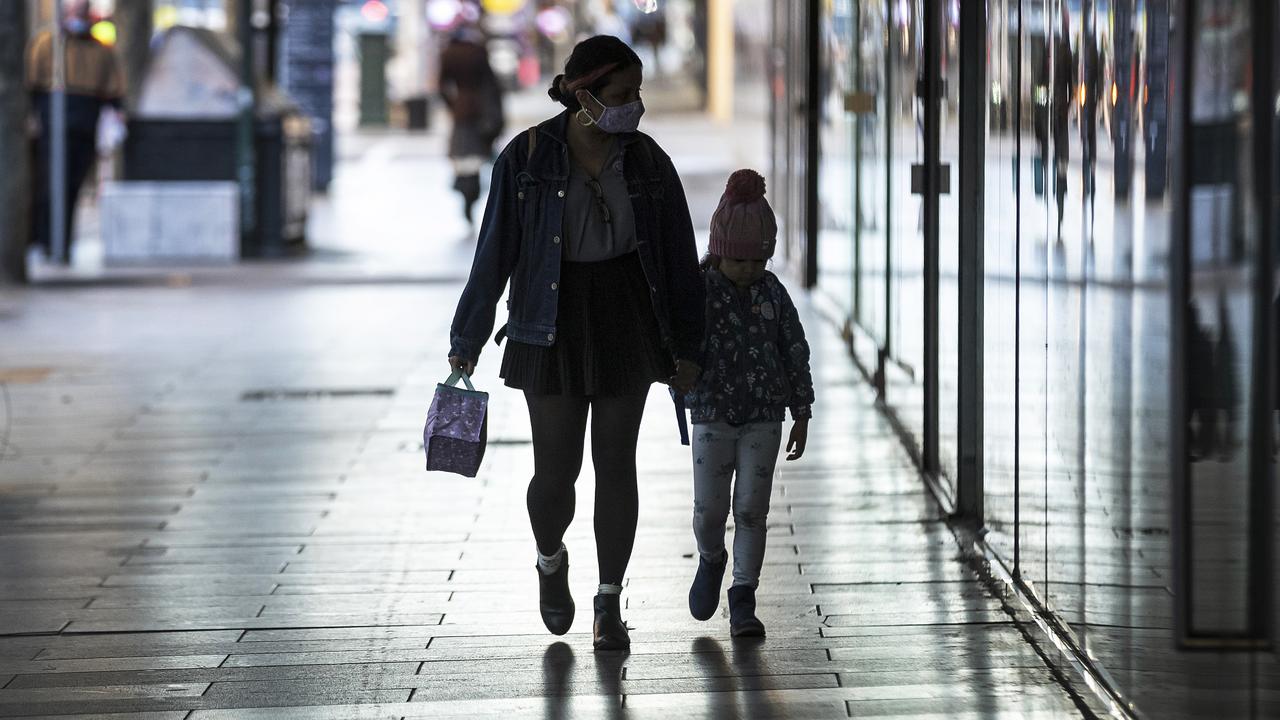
(457, 426)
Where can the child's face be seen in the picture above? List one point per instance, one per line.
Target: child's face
(742, 272)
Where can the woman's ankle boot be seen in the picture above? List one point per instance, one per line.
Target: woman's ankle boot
(704, 593)
(554, 599)
(609, 630)
(742, 612)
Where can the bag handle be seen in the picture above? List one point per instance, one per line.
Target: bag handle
(459, 375)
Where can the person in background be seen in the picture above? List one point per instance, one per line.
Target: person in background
(95, 80)
(473, 95)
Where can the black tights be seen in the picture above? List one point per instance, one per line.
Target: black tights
(559, 429)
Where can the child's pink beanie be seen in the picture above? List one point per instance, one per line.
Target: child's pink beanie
(743, 226)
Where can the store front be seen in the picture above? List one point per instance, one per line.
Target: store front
(1057, 271)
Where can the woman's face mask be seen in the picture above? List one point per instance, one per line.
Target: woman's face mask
(617, 118)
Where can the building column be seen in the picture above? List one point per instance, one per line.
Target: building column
(720, 59)
(134, 28)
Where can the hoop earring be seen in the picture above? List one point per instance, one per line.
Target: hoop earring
(582, 112)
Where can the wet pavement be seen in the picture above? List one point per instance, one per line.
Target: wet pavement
(214, 506)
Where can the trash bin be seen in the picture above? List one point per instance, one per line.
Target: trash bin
(375, 51)
(418, 110)
(185, 127)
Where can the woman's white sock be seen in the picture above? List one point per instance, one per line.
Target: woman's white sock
(550, 564)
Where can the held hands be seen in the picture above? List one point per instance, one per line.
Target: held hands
(466, 367)
(686, 376)
(799, 437)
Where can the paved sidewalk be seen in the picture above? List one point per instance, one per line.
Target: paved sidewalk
(170, 544)
(212, 505)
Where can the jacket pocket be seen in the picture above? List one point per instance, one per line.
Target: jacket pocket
(528, 200)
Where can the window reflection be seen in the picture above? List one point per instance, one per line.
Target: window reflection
(1219, 320)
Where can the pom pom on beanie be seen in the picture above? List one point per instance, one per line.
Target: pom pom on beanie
(743, 226)
(744, 186)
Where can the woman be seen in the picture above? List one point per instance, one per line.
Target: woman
(587, 218)
(474, 96)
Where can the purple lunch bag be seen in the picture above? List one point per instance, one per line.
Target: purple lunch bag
(457, 425)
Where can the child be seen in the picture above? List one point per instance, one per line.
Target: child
(755, 366)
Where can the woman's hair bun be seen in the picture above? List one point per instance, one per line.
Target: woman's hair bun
(556, 91)
(744, 186)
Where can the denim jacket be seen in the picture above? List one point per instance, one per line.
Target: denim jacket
(520, 241)
(755, 362)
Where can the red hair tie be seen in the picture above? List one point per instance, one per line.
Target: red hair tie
(585, 80)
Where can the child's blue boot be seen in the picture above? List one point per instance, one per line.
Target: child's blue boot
(704, 594)
(742, 613)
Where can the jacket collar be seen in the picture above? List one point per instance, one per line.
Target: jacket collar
(719, 279)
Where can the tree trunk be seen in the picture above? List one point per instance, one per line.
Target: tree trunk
(15, 158)
(133, 22)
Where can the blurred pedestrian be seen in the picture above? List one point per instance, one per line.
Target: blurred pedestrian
(94, 81)
(1064, 84)
(588, 220)
(650, 28)
(755, 367)
(473, 94)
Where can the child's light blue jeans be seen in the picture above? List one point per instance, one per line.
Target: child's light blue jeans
(721, 451)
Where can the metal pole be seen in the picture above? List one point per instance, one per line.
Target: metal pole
(15, 190)
(1262, 464)
(932, 27)
(246, 157)
(812, 128)
(1180, 67)
(973, 138)
(58, 142)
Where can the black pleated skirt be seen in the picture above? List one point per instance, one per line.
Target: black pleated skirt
(607, 337)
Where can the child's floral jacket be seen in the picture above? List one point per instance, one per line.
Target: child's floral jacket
(755, 360)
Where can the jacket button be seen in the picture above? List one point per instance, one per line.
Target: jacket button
(520, 194)
(555, 286)
(556, 240)
(561, 193)
(551, 337)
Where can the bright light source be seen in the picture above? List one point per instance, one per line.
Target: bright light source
(375, 11)
(165, 17)
(554, 22)
(104, 32)
(443, 14)
(503, 7)
(1115, 93)
(647, 6)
